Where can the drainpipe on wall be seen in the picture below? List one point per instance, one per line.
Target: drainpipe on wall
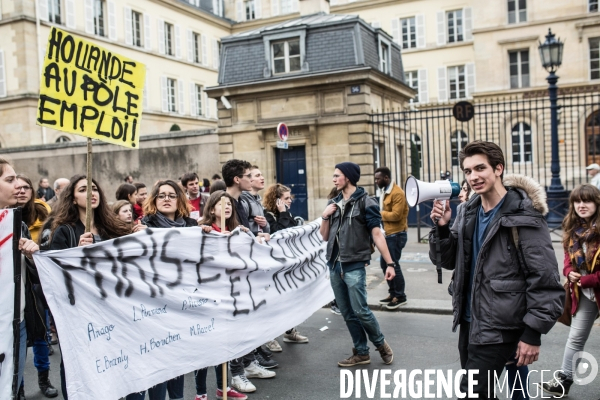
(39, 56)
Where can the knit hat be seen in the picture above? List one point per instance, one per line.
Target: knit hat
(350, 171)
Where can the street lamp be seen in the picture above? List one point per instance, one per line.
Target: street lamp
(551, 52)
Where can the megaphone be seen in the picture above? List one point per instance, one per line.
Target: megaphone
(418, 191)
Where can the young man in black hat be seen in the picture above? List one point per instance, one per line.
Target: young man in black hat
(350, 221)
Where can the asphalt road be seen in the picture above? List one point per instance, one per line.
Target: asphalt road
(420, 341)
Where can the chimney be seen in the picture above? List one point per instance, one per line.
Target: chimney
(309, 7)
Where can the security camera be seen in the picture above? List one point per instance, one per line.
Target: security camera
(226, 102)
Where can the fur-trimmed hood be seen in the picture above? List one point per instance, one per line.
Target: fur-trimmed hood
(531, 188)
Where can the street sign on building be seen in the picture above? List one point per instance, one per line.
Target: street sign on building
(282, 132)
(282, 145)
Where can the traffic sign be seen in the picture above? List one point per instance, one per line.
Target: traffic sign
(282, 145)
(282, 132)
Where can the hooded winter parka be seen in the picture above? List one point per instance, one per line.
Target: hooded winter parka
(516, 292)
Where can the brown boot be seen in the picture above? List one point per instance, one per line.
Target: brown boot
(355, 359)
(386, 353)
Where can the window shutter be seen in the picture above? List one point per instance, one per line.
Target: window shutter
(112, 21)
(274, 8)
(161, 36)
(215, 7)
(181, 97)
(193, 102)
(441, 28)
(128, 25)
(190, 41)
(43, 10)
(215, 106)
(396, 31)
(468, 15)
(89, 16)
(423, 87)
(258, 9)
(420, 21)
(177, 41)
(295, 6)
(470, 78)
(239, 8)
(204, 51)
(2, 75)
(147, 33)
(442, 85)
(215, 50)
(164, 93)
(70, 9)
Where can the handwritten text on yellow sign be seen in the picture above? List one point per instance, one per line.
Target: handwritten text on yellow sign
(87, 90)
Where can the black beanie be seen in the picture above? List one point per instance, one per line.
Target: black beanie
(350, 170)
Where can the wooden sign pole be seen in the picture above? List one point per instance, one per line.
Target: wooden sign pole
(224, 365)
(88, 204)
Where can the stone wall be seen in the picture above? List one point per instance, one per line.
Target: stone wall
(162, 156)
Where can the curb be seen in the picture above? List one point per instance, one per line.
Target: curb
(409, 309)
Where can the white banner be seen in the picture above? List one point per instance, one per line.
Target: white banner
(139, 310)
(7, 300)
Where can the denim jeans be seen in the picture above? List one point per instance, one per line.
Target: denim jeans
(395, 244)
(350, 290)
(201, 375)
(517, 380)
(237, 365)
(581, 325)
(40, 355)
(175, 388)
(158, 392)
(22, 351)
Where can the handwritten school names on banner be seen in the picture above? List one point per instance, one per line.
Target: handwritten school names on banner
(141, 309)
(90, 91)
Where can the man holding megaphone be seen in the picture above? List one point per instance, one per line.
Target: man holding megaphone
(506, 287)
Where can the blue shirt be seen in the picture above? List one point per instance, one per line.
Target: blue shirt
(483, 220)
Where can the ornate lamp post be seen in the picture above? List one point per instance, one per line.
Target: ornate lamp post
(551, 52)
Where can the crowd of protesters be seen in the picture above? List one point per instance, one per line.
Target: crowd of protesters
(54, 219)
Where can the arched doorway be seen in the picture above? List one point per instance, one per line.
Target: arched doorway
(592, 136)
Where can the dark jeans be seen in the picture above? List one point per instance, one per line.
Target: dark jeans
(201, 375)
(175, 388)
(237, 365)
(517, 380)
(158, 392)
(487, 358)
(395, 244)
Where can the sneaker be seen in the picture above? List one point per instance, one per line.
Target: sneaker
(558, 386)
(294, 337)
(263, 361)
(384, 302)
(335, 310)
(386, 353)
(201, 397)
(273, 345)
(355, 359)
(241, 383)
(255, 370)
(395, 303)
(231, 394)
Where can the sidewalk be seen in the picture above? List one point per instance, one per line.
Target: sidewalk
(423, 292)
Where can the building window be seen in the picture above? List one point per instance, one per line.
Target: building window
(54, 11)
(171, 95)
(595, 58)
(287, 6)
(521, 143)
(409, 33)
(286, 56)
(517, 11)
(198, 94)
(384, 57)
(456, 82)
(458, 140)
(197, 47)
(99, 18)
(62, 139)
(593, 5)
(169, 47)
(136, 28)
(416, 155)
(378, 153)
(519, 68)
(412, 80)
(454, 21)
(249, 7)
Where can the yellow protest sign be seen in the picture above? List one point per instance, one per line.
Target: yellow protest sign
(90, 91)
